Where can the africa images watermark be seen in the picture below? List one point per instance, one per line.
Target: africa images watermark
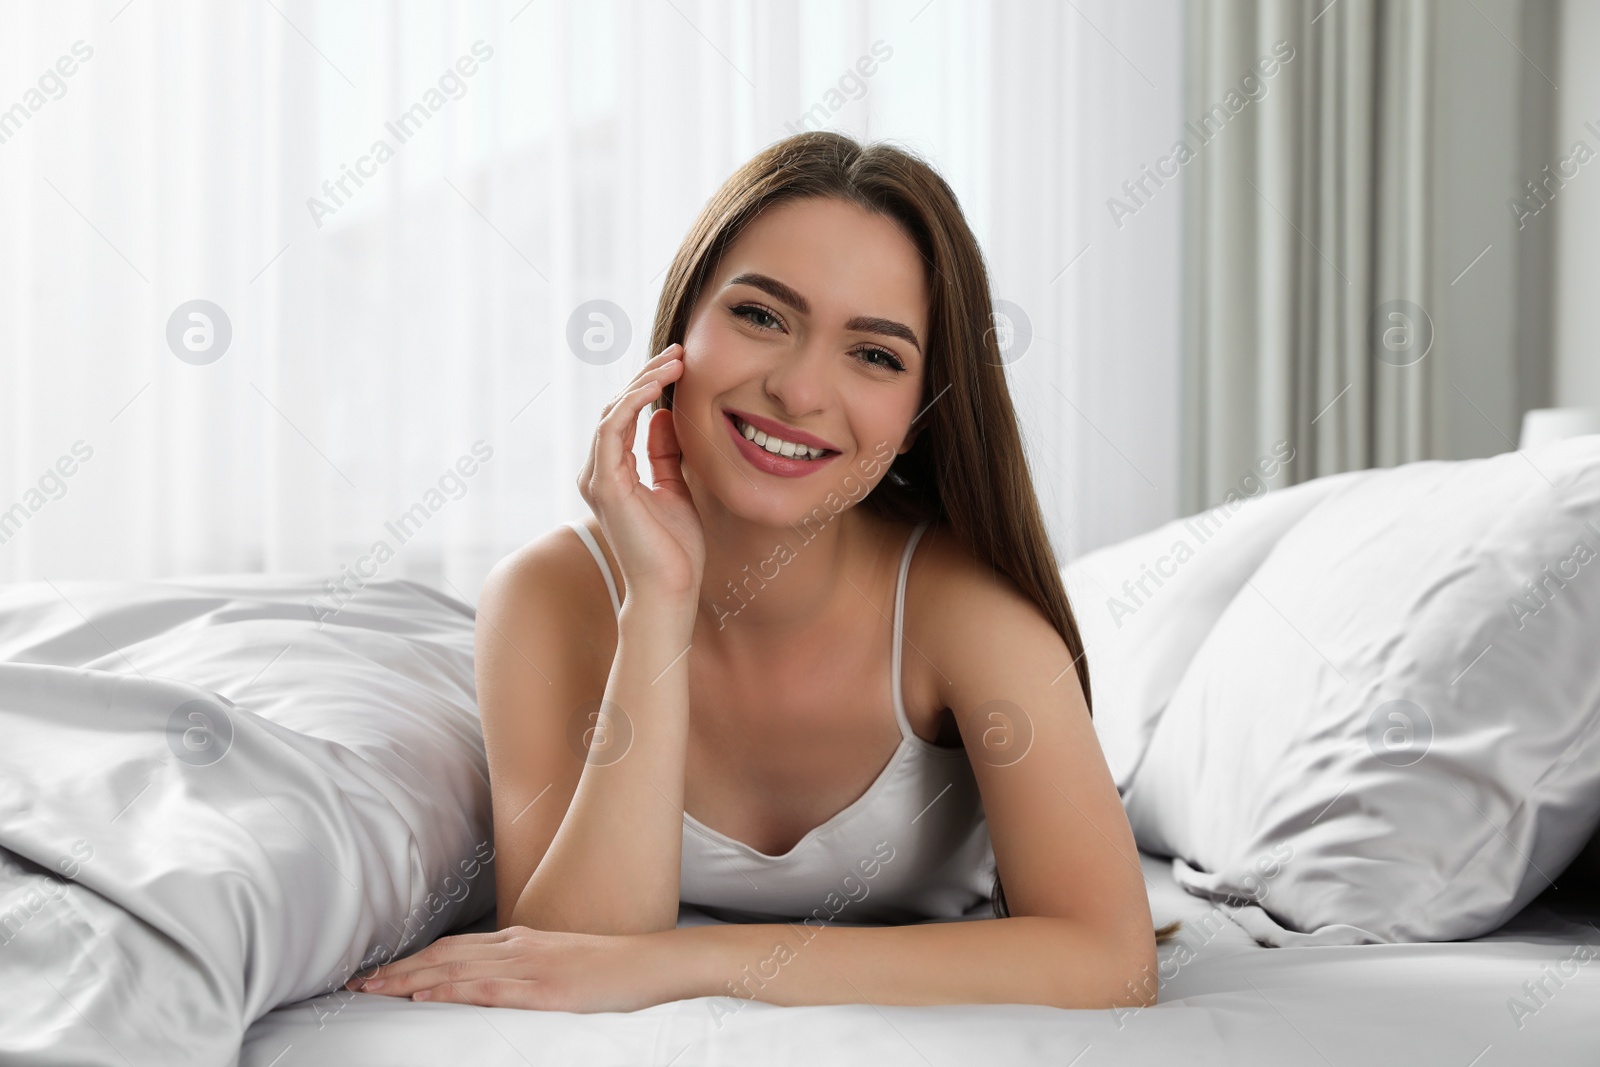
(741, 594)
(1202, 528)
(852, 85)
(402, 129)
(35, 901)
(1539, 994)
(1541, 592)
(1251, 88)
(52, 486)
(455, 889)
(1542, 190)
(340, 591)
(1186, 949)
(52, 86)
(852, 889)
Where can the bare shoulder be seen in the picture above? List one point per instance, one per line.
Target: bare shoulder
(540, 569)
(549, 590)
(541, 657)
(949, 583)
(965, 616)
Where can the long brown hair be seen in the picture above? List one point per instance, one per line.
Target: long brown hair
(966, 470)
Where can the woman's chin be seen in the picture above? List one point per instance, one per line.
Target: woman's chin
(761, 499)
(777, 509)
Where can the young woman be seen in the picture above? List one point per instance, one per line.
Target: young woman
(823, 672)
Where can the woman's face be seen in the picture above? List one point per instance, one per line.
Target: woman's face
(811, 328)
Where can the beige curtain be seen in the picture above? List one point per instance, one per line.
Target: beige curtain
(1308, 271)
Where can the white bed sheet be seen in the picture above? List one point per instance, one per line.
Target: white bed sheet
(1224, 1000)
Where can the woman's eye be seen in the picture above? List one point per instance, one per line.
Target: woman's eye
(746, 311)
(893, 360)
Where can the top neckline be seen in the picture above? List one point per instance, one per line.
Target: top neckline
(909, 740)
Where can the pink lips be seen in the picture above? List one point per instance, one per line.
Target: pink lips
(782, 466)
(782, 432)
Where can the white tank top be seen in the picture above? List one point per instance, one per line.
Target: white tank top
(915, 846)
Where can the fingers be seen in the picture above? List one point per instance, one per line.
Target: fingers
(618, 428)
(487, 946)
(666, 457)
(672, 352)
(442, 973)
(485, 993)
(614, 441)
(610, 461)
(669, 360)
(659, 377)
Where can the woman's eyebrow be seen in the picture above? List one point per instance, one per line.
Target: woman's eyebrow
(862, 323)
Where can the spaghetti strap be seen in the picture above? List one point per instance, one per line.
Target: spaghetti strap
(899, 630)
(599, 557)
(924, 811)
(897, 656)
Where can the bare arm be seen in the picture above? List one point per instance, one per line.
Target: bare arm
(613, 865)
(1056, 962)
(1060, 963)
(588, 793)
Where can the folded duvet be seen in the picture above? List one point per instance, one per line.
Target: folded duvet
(219, 796)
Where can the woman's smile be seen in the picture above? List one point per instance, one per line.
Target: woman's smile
(791, 460)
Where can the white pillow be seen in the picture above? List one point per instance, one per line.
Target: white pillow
(1387, 736)
(1144, 605)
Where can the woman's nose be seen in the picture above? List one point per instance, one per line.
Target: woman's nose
(799, 379)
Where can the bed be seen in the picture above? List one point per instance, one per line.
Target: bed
(220, 796)
(1225, 1000)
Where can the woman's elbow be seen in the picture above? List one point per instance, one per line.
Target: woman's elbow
(1121, 974)
(1133, 968)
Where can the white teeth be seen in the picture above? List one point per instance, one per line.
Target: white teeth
(775, 445)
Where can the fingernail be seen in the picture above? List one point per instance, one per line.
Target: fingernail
(422, 994)
(376, 983)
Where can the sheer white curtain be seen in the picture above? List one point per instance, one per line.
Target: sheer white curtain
(397, 396)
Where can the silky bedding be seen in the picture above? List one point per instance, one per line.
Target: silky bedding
(219, 797)
(1528, 993)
